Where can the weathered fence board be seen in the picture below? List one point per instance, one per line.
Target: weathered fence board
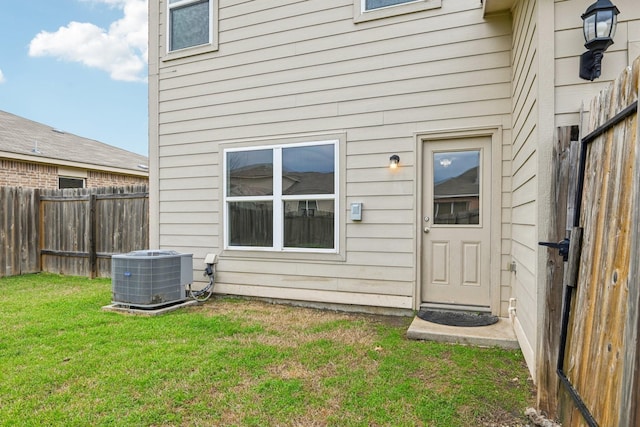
(630, 414)
(71, 231)
(18, 223)
(9, 231)
(565, 156)
(598, 350)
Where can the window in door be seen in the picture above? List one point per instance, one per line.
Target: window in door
(456, 187)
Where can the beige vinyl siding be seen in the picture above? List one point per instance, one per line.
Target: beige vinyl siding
(524, 182)
(293, 68)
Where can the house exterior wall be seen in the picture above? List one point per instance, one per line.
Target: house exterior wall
(15, 173)
(524, 182)
(32, 175)
(297, 71)
(108, 179)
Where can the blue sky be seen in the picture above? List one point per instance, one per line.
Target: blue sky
(78, 66)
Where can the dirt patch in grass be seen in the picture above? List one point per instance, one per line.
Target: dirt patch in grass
(286, 325)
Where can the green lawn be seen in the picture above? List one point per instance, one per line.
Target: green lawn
(64, 361)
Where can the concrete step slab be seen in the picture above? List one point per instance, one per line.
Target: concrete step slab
(499, 334)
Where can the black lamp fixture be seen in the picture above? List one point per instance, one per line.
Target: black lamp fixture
(393, 161)
(599, 27)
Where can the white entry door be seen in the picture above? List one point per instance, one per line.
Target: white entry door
(456, 219)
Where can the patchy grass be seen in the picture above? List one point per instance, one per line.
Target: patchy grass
(63, 361)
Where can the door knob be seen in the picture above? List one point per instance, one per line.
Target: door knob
(427, 229)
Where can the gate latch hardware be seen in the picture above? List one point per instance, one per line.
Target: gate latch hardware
(562, 247)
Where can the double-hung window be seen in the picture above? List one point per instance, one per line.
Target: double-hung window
(190, 23)
(282, 197)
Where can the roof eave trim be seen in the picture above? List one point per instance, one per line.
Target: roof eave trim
(496, 7)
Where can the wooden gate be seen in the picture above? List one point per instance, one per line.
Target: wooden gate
(598, 346)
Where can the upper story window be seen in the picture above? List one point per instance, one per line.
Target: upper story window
(367, 10)
(282, 198)
(191, 24)
(377, 4)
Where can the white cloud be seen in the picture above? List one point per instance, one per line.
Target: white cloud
(2, 79)
(121, 50)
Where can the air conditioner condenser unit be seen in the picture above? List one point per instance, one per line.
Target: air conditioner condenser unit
(150, 278)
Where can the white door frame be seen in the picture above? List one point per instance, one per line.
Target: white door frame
(495, 133)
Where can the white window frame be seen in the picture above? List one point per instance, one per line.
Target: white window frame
(211, 45)
(278, 198)
(361, 14)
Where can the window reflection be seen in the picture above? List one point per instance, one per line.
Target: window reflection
(251, 224)
(309, 224)
(308, 170)
(250, 173)
(456, 190)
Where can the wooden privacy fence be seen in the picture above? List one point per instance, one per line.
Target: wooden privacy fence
(71, 231)
(596, 338)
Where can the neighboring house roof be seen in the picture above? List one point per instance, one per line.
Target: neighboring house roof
(310, 183)
(257, 180)
(30, 141)
(464, 185)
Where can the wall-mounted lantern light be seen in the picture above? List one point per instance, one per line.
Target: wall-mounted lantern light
(393, 161)
(599, 27)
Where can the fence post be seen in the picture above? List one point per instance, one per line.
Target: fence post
(35, 262)
(93, 256)
(41, 231)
